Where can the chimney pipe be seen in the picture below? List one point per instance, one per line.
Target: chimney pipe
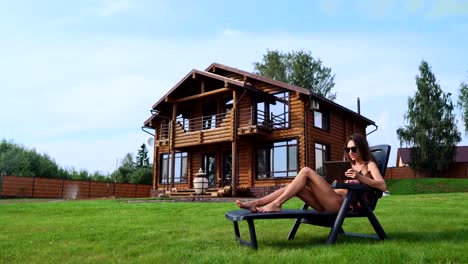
(358, 106)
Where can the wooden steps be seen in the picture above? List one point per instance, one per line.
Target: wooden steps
(211, 192)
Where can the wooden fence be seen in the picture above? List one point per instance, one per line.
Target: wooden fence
(457, 170)
(18, 186)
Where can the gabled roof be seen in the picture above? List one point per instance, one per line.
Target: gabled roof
(203, 73)
(242, 79)
(247, 75)
(213, 66)
(461, 154)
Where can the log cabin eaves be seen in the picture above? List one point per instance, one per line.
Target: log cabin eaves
(228, 82)
(213, 66)
(247, 75)
(194, 72)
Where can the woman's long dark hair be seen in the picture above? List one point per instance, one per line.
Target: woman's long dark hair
(362, 147)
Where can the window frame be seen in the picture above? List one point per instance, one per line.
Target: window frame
(268, 148)
(165, 164)
(325, 150)
(325, 119)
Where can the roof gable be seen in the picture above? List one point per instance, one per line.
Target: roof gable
(232, 77)
(243, 75)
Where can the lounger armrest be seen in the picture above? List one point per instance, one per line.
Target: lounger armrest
(358, 187)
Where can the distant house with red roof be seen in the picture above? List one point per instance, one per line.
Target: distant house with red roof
(459, 169)
(403, 156)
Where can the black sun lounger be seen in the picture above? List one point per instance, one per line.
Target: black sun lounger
(366, 196)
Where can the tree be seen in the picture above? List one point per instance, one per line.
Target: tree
(463, 104)
(124, 172)
(142, 159)
(143, 175)
(431, 130)
(298, 68)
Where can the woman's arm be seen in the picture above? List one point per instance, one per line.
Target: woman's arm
(377, 180)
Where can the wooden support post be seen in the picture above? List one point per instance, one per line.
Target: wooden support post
(171, 143)
(235, 172)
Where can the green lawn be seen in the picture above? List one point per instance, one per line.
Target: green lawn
(427, 185)
(425, 228)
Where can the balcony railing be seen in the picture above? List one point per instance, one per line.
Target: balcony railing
(216, 127)
(259, 118)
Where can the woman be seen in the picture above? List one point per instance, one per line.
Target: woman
(315, 191)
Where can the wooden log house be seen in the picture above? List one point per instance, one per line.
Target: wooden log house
(244, 130)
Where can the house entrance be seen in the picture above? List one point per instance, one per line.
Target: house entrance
(227, 170)
(209, 167)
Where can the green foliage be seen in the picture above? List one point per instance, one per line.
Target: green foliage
(124, 172)
(17, 160)
(143, 175)
(298, 68)
(142, 159)
(140, 171)
(463, 104)
(431, 130)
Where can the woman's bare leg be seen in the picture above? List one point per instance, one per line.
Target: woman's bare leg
(252, 205)
(321, 196)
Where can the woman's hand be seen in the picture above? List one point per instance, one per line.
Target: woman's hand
(353, 174)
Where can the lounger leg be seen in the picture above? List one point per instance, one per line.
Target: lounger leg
(373, 220)
(376, 225)
(294, 228)
(236, 230)
(253, 236)
(339, 219)
(296, 225)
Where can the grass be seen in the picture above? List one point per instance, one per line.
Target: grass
(424, 228)
(427, 185)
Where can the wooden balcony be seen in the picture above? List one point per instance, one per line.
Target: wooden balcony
(218, 128)
(253, 123)
(204, 130)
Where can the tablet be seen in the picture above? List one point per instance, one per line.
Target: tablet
(335, 170)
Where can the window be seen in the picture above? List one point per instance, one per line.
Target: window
(180, 165)
(277, 159)
(275, 114)
(322, 120)
(322, 153)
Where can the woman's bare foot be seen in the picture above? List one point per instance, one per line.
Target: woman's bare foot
(248, 205)
(269, 208)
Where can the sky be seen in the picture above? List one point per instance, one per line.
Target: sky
(78, 78)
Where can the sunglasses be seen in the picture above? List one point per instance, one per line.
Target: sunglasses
(353, 149)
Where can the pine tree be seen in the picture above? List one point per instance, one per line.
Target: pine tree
(431, 130)
(463, 104)
(142, 159)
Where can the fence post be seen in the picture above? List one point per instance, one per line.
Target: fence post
(33, 184)
(63, 183)
(136, 190)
